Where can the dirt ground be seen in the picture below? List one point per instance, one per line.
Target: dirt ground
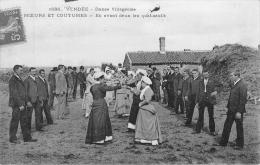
(64, 142)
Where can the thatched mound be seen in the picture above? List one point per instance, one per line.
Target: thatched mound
(229, 57)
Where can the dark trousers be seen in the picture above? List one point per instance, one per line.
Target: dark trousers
(74, 93)
(45, 107)
(192, 103)
(186, 106)
(51, 98)
(37, 112)
(157, 95)
(19, 116)
(227, 128)
(200, 122)
(171, 99)
(178, 103)
(82, 88)
(165, 96)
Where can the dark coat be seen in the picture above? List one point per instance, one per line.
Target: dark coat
(211, 87)
(170, 82)
(81, 78)
(194, 88)
(176, 82)
(17, 92)
(42, 89)
(238, 98)
(157, 80)
(184, 87)
(31, 89)
(51, 80)
(74, 77)
(164, 83)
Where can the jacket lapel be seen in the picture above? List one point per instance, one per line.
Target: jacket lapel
(19, 80)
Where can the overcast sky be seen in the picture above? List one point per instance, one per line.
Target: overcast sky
(189, 24)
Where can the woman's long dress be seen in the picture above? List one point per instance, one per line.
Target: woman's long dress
(147, 123)
(99, 125)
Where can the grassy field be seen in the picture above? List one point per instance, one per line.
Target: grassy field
(64, 142)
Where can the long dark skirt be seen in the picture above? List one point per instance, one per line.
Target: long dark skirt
(134, 109)
(99, 125)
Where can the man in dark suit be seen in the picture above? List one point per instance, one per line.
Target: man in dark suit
(82, 81)
(43, 94)
(17, 100)
(184, 87)
(156, 85)
(33, 102)
(235, 110)
(178, 102)
(52, 84)
(74, 77)
(164, 86)
(170, 88)
(206, 98)
(194, 90)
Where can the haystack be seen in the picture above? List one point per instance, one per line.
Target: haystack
(229, 57)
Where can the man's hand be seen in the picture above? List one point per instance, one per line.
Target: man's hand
(29, 104)
(238, 115)
(179, 92)
(21, 108)
(186, 98)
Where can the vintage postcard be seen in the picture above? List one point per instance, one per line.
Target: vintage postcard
(129, 81)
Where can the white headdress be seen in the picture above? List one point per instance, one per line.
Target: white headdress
(146, 80)
(98, 75)
(141, 71)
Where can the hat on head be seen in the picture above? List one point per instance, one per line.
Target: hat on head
(98, 75)
(146, 80)
(54, 69)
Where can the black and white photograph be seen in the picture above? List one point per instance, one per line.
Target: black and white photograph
(129, 82)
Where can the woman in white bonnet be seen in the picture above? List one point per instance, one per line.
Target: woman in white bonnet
(147, 123)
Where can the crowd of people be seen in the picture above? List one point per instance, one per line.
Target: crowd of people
(134, 93)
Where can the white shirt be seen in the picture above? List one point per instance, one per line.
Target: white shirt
(236, 81)
(32, 77)
(205, 84)
(42, 79)
(17, 76)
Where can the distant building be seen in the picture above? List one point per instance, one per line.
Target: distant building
(183, 59)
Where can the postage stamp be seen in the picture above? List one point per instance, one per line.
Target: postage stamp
(11, 26)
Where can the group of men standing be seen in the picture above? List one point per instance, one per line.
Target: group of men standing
(190, 90)
(36, 93)
(24, 97)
